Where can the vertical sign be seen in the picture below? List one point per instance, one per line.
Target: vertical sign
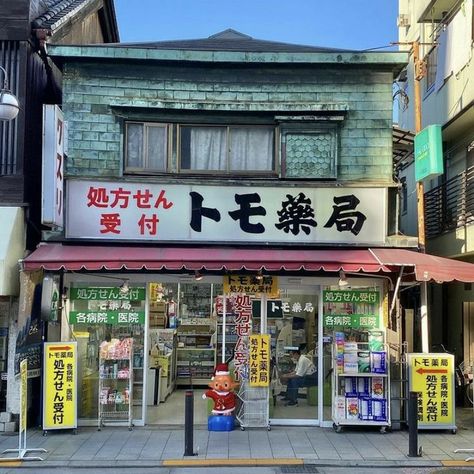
(259, 370)
(428, 153)
(432, 376)
(243, 327)
(52, 212)
(23, 393)
(60, 385)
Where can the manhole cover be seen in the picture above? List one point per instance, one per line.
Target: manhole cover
(298, 469)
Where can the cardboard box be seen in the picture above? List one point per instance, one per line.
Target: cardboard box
(158, 306)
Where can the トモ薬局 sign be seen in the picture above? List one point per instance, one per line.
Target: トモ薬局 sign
(259, 360)
(251, 284)
(60, 385)
(181, 212)
(432, 376)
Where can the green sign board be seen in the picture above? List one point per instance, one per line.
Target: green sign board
(107, 317)
(106, 293)
(428, 153)
(353, 321)
(351, 296)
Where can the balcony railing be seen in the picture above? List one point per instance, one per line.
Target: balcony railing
(450, 205)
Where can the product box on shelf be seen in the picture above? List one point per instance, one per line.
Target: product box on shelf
(350, 363)
(378, 362)
(350, 386)
(363, 386)
(377, 387)
(352, 408)
(373, 409)
(376, 339)
(340, 407)
(363, 361)
(157, 320)
(159, 306)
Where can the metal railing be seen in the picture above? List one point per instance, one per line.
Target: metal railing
(450, 205)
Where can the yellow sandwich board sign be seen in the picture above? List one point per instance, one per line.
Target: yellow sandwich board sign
(432, 376)
(259, 363)
(23, 393)
(60, 386)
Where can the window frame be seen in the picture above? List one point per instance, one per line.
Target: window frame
(145, 157)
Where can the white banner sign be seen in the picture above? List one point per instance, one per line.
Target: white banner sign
(144, 211)
(52, 213)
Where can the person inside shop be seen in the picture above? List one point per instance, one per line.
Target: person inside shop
(304, 375)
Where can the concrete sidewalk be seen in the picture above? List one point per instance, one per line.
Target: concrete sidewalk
(157, 446)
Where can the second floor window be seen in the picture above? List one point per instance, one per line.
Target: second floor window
(226, 148)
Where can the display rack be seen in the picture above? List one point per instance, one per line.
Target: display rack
(361, 384)
(163, 355)
(196, 354)
(231, 337)
(116, 383)
(254, 406)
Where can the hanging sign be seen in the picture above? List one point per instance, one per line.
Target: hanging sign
(251, 284)
(429, 153)
(243, 328)
(259, 363)
(432, 376)
(60, 385)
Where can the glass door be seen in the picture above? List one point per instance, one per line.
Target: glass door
(292, 323)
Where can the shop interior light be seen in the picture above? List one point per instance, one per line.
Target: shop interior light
(124, 288)
(342, 280)
(259, 276)
(198, 276)
(9, 106)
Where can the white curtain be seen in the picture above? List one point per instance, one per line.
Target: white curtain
(251, 149)
(208, 148)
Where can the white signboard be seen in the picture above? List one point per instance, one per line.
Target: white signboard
(161, 212)
(52, 212)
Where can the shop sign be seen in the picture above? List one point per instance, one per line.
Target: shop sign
(351, 296)
(353, 321)
(52, 212)
(429, 153)
(60, 385)
(259, 370)
(432, 376)
(277, 308)
(251, 284)
(243, 327)
(107, 317)
(106, 293)
(182, 212)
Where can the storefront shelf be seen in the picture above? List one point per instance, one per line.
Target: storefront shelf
(362, 374)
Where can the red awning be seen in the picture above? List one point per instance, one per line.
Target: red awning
(81, 257)
(427, 267)
(422, 267)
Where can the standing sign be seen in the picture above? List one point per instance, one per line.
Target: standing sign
(23, 393)
(259, 370)
(432, 376)
(60, 385)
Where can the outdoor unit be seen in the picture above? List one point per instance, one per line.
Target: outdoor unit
(403, 20)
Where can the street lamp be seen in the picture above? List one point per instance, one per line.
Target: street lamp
(9, 107)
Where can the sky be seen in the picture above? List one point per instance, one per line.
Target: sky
(344, 24)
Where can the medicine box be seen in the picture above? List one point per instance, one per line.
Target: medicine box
(364, 361)
(350, 347)
(340, 407)
(351, 367)
(372, 409)
(376, 339)
(377, 389)
(351, 386)
(378, 362)
(352, 408)
(363, 386)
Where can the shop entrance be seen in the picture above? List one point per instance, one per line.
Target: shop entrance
(294, 340)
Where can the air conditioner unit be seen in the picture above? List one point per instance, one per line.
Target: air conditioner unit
(403, 20)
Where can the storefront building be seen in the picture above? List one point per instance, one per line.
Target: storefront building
(217, 189)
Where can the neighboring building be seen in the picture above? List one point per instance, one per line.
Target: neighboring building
(210, 167)
(445, 31)
(26, 27)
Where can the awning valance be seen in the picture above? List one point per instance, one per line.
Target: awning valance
(421, 267)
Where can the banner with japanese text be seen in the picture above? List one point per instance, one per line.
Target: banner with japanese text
(259, 363)
(432, 376)
(251, 284)
(108, 210)
(60, 385)
(354, 309)
(23, 394)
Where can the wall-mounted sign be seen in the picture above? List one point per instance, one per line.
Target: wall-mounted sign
(432, 376)
(251, 284)
(428, 153)
(160, 212)
(52, 212)
(107, 293)
(107, 317)
(259, 360)
(60, 385)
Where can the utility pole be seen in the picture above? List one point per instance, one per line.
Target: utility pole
(419, 71)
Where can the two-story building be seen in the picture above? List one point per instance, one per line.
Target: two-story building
(218, 188)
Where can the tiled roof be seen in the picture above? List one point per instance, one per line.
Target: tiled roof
(229, 40)
(57, 12)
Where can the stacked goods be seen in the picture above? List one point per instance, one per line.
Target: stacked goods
(116, 348)
(339, 340)
(158, 318)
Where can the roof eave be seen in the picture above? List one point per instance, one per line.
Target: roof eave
(395, 60)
